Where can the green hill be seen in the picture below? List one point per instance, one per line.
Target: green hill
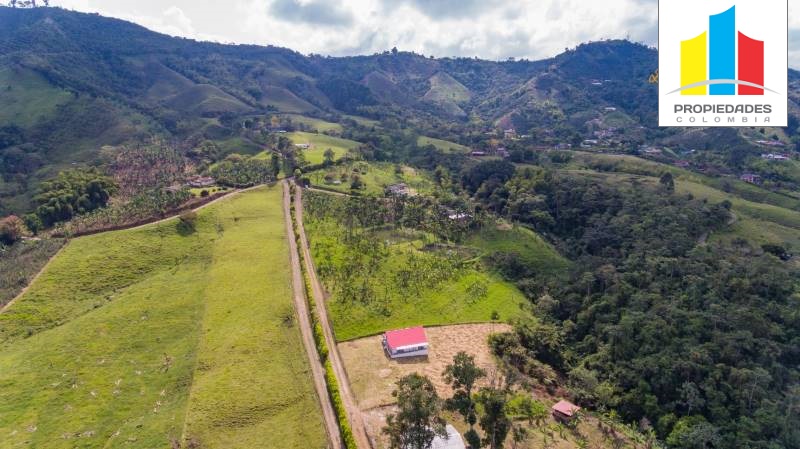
(161, 334)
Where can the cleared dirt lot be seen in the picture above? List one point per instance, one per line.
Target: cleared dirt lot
(373, 374)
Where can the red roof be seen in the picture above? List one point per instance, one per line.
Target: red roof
(406, 337)
(566, 408)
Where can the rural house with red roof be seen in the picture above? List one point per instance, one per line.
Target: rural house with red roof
(410, 342)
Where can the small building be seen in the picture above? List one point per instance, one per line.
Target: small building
(610, 109)
(478, 153)
(589, 143)
(201, 181)
(563, 146)
(303, 146)
(502, 152)
(410, 342)
(751, 178)
(510, 133)
(775, 157)
(564, 410)
(771, 143)
(453, 440)
(682, 164)
(398, 190)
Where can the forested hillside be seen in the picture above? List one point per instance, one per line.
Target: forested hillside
(649, 274)
(73, 83)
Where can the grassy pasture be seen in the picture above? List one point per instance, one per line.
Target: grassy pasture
(449, 301)
(315, 123)
(375, 177)
(27, 97)
(129, 334)
(639, 166)
(757, 222)
(442, 145)
(321, 142)
(525, 244)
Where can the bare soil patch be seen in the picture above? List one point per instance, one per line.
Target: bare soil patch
(373, 374)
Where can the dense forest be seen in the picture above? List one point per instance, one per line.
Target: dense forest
(700, 340)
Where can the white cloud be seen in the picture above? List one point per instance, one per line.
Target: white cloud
(488, 29)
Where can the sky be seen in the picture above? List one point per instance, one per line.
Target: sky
(488, 29)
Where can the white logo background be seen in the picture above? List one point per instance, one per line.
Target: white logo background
(764, 20)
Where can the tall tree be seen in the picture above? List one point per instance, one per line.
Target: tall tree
(418, 420)
(667, 182)
(328, 156)
(462, 375)
(494, 421)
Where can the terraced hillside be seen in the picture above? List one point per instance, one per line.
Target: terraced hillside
(174, 333)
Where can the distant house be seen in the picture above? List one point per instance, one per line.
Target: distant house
(563, 146)
(303, 146)
(478, 153)
(589, 143)
(682, 164)
(398, 190)
(410, 342)
(610, 109)
(502, 152)
(201, 181)
(510, 133)
(651, 150)
(597, 83)
(565, 411)
(775, 157)
(770, 143)
(751, 178)
(459, 216)
(453, 440)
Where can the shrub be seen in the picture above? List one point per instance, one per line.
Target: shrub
(12, 228)
(187, 221)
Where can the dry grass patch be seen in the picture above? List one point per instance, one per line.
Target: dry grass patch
(373, 374)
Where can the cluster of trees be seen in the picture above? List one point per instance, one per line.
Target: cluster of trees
(72, 192)
(700, 340)
(350, 256)
(497, 410)
(242, 171)
(153, 202)
(154, 164)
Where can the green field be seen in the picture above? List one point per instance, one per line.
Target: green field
(318, 124)
(27, 97)
(375, 177)
(321, 142)
(442, 145)
(143, 337)
(388, 305)
(757, 222)
(639, 166)
(531, 249)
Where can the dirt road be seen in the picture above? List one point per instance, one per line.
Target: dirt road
(317, 370)
(348, 399)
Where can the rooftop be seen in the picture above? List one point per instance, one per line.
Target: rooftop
(566, 408)
(406, 337)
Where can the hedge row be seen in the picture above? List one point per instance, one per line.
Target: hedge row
(322, 347)
(341, 413)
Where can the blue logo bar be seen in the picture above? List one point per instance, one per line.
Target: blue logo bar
(722, 43)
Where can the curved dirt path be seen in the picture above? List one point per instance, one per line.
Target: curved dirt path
(317, 370)
(348, 399)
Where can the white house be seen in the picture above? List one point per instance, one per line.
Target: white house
(411, 342)
(453, 440)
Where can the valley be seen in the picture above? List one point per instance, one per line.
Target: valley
(207, 246)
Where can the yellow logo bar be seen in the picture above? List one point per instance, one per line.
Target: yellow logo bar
(694, 65)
